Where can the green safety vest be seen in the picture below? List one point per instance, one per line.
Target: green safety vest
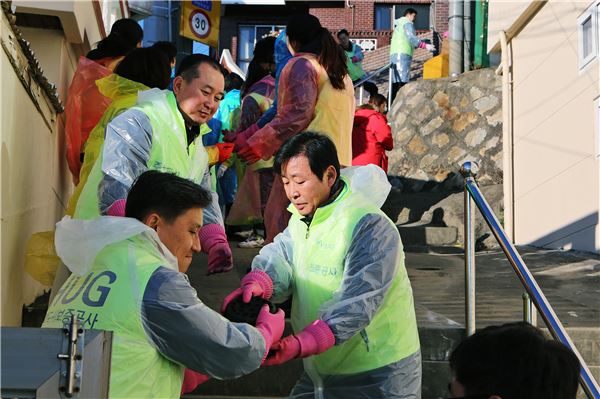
(400, 43)
(109, 298)
(169, 152)
(319, 254)
(354, 69)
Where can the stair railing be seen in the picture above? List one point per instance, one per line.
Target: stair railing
(370, 76)
(472, 193)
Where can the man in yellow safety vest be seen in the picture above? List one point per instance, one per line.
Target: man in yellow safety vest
(128, 276)
(341, 259)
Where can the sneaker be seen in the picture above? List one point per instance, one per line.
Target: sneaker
(244, 234)
(254, 241)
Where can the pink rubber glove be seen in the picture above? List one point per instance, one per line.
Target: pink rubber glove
(242, 137)
(191, 380)
(228, 136)
(314, 339)
(270, 326)
(248, 155)
(117, 208)
(256, 283)
(214, 242)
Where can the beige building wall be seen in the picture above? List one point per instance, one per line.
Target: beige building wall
(502, 15)
(35, 181)
(555, 117)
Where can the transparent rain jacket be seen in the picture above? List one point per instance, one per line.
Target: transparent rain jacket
(306, 99)
(125, 280)
(122, 93)
(84, 108)
(247, 207)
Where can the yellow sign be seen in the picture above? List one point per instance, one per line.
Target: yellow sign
(200, 21)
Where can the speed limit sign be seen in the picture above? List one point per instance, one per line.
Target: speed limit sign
(200, 23)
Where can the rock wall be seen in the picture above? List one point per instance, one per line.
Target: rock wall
(438, 124)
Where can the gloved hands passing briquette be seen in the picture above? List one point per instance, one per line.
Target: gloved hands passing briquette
(256, 283)
(248, 155)
(270, 326)
(314, 339)
(213, 241)
(241, 147)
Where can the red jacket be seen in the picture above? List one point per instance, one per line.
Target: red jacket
(371, 138)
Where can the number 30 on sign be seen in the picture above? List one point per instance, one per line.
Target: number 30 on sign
(200, 23)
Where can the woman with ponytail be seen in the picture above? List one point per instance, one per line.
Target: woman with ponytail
(315, 93)
(85, 104)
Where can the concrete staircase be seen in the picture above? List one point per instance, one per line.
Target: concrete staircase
(571, 282)
(438, 337)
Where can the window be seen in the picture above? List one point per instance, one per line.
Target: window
(383, 15)
(588, 36)
(247, 38)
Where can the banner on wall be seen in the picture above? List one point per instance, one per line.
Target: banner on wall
(200, 21)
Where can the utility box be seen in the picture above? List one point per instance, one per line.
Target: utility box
(55, 362)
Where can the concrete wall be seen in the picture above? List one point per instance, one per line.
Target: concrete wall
(35, 180)
(556, 170)
(438, 124)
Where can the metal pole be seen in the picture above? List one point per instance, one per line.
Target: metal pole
(455, 21)
(467, 36)
(360, 96)
(469, 171)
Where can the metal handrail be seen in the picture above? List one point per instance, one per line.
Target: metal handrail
(373, 74)
(368, 77)
(473, 193)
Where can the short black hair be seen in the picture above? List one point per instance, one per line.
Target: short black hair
(515, 360)
(147, 66)
(233, 81)
(124, 36)
(410, 11)
(188, 67)
(166, 194)
(264, 50)
(167, 48)
(343, 32)
(318, 148)
(378, 99)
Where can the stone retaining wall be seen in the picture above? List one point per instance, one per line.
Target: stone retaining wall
(438, 124)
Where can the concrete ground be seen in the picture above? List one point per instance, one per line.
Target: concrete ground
(570, 281)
